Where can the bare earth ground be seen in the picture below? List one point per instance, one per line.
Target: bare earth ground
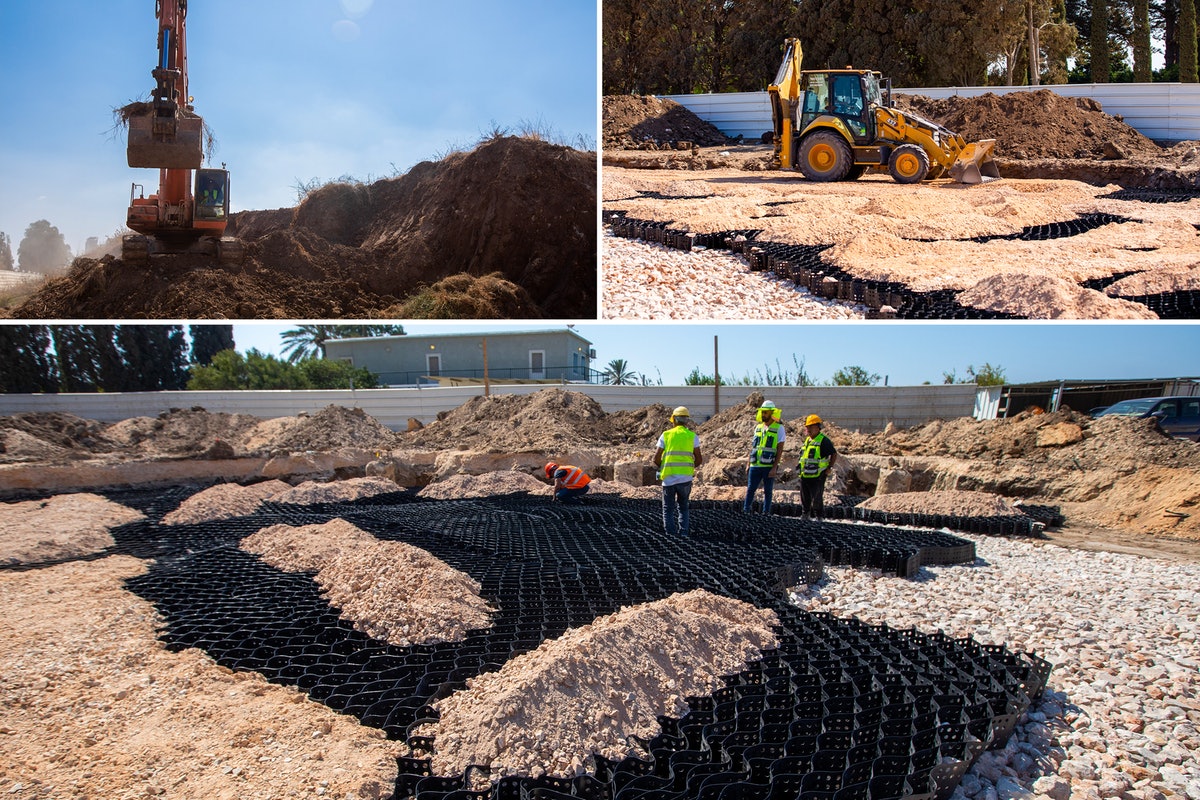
(94, 706)
(1059, 159)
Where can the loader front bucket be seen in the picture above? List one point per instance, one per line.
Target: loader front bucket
(975, 163)
(165, 142)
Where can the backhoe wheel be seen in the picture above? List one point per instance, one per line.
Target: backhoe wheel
(908, 164)
(825, 156)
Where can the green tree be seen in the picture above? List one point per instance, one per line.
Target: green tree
(208, 340)
(88, 358)
(6, 254)
(987, 375)
(307, 341)
(323, 374)
(27, 360)
(254, 370)
(697, 378)
(155, 357)
(1141, 41)
(854, 376)
(1188, 64)
(43, 249)
(618, 373)
(1098, 43)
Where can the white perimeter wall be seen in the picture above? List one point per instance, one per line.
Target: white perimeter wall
(867, 408)
(1163, 111)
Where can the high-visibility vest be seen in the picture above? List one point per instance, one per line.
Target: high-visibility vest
(571, 477)
(766, 445)
(811, 463)
(679, 456)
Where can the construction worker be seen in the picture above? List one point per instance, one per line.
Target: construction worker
(677, 457)
(765, 454)
(570, 483)
(816, 457)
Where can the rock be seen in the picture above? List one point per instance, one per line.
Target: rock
(893, 481)
(1008, 788)
(1058, 435)
(1052, 786)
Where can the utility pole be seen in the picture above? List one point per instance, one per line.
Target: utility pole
(716, 380)
(487, 388)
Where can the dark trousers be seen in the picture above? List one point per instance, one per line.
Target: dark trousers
(754, 477)
(675, 508)
(571, 496)
(812, 495)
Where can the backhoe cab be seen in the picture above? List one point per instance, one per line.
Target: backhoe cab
(836, 124)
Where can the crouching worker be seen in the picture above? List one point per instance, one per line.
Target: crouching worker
(570, 483)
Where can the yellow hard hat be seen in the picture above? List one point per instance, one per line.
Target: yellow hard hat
(812, 419)
(680, 411)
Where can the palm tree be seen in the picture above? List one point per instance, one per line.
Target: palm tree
(618, 373)
(308, 341)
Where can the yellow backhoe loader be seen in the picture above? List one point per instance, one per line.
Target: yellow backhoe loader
(836, 124)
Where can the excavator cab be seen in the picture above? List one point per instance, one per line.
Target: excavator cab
(212, 196)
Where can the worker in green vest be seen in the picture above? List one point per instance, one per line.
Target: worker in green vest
(765, 454)
(816, 457)
(677, 456)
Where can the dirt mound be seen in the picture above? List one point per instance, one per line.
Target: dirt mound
(489, 484)
(180, 432)
(329, 429)
(1037, 124)
(468, 297)
(224, 501)
(547, 420)
(597, 685)
(64, 526)
(637, 122)
(1048, 297)
(311, 492)
(519, 207)
(969, 504)
(51, 435)
(388, 590)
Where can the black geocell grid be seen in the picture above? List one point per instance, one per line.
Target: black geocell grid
(841, 710)
(805, 266)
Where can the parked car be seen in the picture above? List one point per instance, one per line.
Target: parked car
(1177, 416)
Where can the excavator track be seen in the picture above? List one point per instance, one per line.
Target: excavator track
(135, 249)
(230, 252)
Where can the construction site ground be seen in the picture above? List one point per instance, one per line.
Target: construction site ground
(94, 705)
(504, 231)
(1113, 215)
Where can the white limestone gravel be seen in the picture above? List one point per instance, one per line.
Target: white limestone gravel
(642, 280)
(1120, 716)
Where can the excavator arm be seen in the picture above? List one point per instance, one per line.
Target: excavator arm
(165, 133)
(785, 98)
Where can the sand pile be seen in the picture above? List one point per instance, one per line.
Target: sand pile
(60, 527)
(51, 435)
(311, 492)
(596, 685)
(966, 504)
(183, 432)
(93, 705)
(224, 501)
(388, 590)
(489, 484)
(648, 122)
(329, 429)
(547, 420)
(518, 207)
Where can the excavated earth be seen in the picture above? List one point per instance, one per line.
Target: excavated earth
(506, 230)
(1090, 220)
(96, 706)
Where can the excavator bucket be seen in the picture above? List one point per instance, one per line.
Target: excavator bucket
(975, 163)
(165, 142)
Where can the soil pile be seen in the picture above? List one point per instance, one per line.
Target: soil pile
(596, 685)
(490, 484)
(183, 432)
(63, 526)
(1037, 124)
(547, 420)
(330, 428)
(388, 590)
(51, 435)
(224, 501)
(648, 123)
(311, 492)
(519, 208)
(93, 705)
(966, 504)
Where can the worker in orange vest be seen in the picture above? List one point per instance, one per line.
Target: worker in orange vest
(570, 483)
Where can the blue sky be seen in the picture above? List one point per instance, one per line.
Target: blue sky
(293, 90)
(907, 353)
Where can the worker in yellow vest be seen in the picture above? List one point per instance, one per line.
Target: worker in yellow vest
(765, 454)
(816, 457)
(677, 456)
(570, 483)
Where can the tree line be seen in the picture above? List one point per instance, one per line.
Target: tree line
(43, 248)
(619, 373)
(146, 358)
(686, 46)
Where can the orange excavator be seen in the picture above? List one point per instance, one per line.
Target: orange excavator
(166, 134)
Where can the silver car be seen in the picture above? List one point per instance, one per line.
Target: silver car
(1177, 416)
